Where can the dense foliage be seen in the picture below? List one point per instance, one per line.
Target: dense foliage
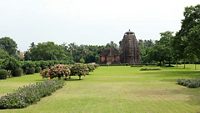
(79, 70)
(66, 71)
(47, 51)
(59, 71)
(9, 45)
(30, 94)
(29, 67)
(179, 47)
(190, 83)
(3, 74)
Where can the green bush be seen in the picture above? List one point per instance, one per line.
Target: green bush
(27, 95)
(190, 83)
(59, 71)
(30, 70)
(91, 67)
(10, 64)
(17, 72)
(45, 73)
(149, 69)
(79, 70)
(3, 74)
(37, 69)
(29, 67)
(44, 64)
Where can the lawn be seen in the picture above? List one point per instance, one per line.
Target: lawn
(116, 89)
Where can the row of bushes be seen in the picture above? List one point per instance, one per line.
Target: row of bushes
(190, 83)
(30, 94)
(67, 71)
(16, 68)
(149, 69)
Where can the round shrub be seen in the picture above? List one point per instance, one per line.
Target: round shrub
(17, 72)
(79, 69)
(3, 74)
(30, 70)
(91, 67)
(29, 67)
(59, 71)
(45, 73)
(37, 69)
(10, 64)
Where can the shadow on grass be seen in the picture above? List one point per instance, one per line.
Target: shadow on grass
(73, 79)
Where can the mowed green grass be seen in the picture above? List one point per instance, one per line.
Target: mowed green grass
(116, 89)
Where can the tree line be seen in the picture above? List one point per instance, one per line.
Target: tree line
(181, 46)
(172, 47)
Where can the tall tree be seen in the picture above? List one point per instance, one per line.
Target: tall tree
(47, 51)
(8, 45)
(187, 39)
(145, 49)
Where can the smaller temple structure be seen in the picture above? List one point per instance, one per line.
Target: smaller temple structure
(110, 56)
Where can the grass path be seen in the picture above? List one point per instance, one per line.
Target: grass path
(116, 90)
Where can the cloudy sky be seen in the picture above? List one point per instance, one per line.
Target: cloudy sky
(94, 22)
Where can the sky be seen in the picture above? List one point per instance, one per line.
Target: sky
(91, 22)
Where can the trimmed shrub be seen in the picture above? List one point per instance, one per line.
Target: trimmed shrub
(44, 64)
(79, 70)
(30, 70)
(45, 73)
(3, 74)
(149, 69)
(190, 83)
(29, 67)
(91, 67)
(37, 69)
(59, 71)
(10, 64)
(17, 72)
(27, 95)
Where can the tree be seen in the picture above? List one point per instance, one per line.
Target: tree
(145, 49)
(47, 51)
(166, 43)
(187, 39)
(8, 45)
(11, 64)
(3, 54)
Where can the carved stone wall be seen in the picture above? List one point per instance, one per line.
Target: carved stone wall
(129, 49)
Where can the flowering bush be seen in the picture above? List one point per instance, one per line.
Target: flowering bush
(79, 69)
(59, 71)
(45, 73)
(91, 67)
(32, 93)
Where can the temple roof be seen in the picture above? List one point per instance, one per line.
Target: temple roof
(110, 52)
(129, 32)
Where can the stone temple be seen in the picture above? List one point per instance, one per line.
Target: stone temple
(128, 52)
(129, 49)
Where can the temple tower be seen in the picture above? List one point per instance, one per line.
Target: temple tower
(129, 49)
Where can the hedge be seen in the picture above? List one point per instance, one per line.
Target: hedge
(30, 94)
(190, 83)
(149, 69)
(3, 74)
